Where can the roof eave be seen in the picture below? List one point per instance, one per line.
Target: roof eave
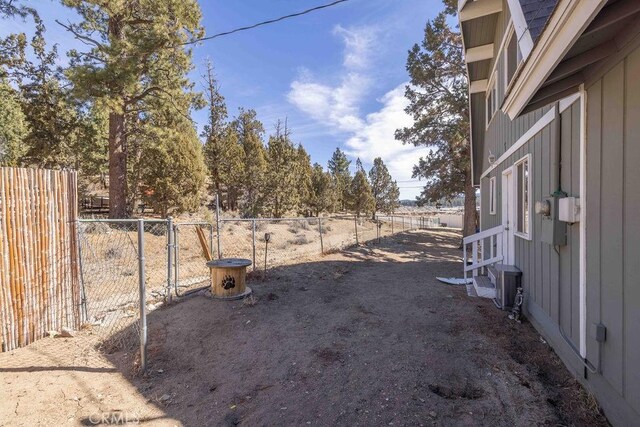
(566, 24)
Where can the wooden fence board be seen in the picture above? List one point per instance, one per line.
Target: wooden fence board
(40, 280)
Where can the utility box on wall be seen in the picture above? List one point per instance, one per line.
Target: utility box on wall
(569, 209)
(554, 231)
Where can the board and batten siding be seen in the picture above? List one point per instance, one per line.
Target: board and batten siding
(550, 275)
(613, 235)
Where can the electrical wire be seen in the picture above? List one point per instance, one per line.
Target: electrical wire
(271, 21)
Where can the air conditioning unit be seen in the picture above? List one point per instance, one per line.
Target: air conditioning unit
(507, 279)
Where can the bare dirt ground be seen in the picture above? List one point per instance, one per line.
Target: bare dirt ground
(362, 337)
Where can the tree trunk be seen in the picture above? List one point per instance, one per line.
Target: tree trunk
(470, 213)
(117, 166)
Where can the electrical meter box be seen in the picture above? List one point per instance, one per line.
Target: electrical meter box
(569, 209)
(554, 231)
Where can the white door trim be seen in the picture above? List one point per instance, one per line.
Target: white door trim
(507, 201)
(583, 222)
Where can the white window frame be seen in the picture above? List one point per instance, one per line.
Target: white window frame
(505, 58)
(521, 209)
(492, 195)
(491, 110)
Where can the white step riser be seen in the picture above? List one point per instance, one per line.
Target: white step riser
(485, 293)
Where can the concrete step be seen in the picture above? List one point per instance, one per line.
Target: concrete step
(471, 291)
(483, 287)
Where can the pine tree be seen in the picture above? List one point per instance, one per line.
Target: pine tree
(359, 166)
(217, 145)
(281, 181)
(250, 130)
(54, 117)
(360, 197)
(339, 168)
(322, 194)
(13, 127)
(438, 103)
(384, 189)
(136, 53)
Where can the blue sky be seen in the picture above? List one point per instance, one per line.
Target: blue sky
(337, 75)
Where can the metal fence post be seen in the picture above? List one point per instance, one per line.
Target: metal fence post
(253, 238)
(320, 231)
(169, 257)
(392, 225)
(355, 221)
(83, 295)
(143, 299)
(176, 255)
(218, 226)
(402, 223)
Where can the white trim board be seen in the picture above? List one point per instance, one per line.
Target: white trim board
(583, 222)
(522, 30)
(533, 130)
(568, 101)
(565, 25)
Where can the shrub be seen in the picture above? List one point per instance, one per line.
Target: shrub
(300, 239)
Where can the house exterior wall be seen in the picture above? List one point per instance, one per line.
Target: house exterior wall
(551, 276)
(544, 267)
(613, 239)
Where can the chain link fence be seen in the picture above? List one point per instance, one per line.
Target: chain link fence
(130, 267)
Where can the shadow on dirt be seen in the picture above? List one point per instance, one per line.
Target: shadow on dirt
(366, 336)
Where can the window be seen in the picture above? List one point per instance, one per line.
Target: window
(512, 58)
(492, 100)
(492, 195)
(523, 192)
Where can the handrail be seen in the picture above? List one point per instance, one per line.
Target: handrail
(478, 242)
(483, 234)
(483, 263)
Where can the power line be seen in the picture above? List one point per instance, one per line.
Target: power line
(271, 21)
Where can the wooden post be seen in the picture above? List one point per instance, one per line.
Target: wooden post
(320, 231)
(355, 220)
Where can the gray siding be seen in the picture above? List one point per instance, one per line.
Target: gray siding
(613, 223)
(543, 267)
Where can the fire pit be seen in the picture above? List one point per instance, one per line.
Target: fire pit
(229, 278)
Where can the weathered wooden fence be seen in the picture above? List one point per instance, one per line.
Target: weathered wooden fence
(39, 275)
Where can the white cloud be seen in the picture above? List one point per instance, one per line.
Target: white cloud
(376, 139)
(338, 108)
(358, 45)
(334, 106)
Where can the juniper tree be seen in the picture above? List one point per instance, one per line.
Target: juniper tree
(250, 130)
(281, 180)
(322, 190)
(384, 189)
(136, 53)
(231, 167)
(171, 174)
(13, 127)
(304, 173)
(339, 168)
(439, 105)
(360, 198)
